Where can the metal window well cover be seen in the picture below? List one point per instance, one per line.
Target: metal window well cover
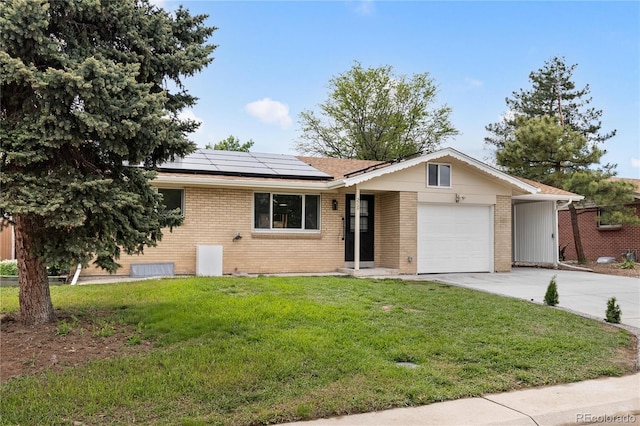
(233, 163)
(152, 269)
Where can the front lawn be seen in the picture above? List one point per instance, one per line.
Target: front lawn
(237, 351)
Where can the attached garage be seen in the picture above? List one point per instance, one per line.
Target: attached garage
(454, 238)
(534, 231)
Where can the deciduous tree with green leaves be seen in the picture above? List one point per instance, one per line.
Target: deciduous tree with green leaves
(84, 102)
(374, 114)
(551, 136)
(231, 143)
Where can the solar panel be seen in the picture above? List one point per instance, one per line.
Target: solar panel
(234, 163)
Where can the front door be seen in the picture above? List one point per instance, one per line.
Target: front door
(366, 228)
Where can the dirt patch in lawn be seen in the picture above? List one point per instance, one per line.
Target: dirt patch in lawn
(69, 342)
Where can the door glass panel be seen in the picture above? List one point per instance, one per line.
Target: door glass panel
(364, 213)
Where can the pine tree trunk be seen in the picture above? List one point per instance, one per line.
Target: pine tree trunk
(576, 234)
(35, 299)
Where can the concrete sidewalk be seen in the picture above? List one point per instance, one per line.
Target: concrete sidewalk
(602, 401)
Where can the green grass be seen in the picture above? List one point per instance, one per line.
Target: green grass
(235, 351)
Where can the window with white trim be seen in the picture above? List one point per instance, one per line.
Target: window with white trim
(606, 223)
(439, 175)
(286, 211)
(173, 198)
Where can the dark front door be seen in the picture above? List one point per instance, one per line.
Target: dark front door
(366, 228)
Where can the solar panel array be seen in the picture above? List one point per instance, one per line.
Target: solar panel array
(233, 163)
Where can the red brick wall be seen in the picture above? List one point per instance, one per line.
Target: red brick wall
(597, 242)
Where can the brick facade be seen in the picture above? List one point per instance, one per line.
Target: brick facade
(396, 231)
(213, 216)
(597, 242)
(502, 234)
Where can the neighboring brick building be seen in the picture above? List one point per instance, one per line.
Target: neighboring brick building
(600, 240)
(7, 250)
(268, 213)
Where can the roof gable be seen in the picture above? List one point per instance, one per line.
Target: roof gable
(446, 152)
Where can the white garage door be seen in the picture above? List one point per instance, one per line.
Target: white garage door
(454, 238)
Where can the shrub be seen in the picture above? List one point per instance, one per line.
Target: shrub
(9, 267)
(613, 313)
(551, 296)
(628, 264)
(63, 328)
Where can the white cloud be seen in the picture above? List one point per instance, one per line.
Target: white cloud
(363, 7)
(472, 83)
(270, 112)
(508, 115)
(635, 163)
(188, 114)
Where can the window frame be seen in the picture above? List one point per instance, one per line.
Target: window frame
(182, 197)
(606, 226)
(303, 202)
(439, 176)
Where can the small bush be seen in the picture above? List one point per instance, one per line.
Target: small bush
(104, 330)
(133, 340)
(628, 264)
(57, 270)
(613, 313)
(9, 267)
(551, 296)
(63, 328)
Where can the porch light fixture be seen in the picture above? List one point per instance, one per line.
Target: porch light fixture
(334, 204)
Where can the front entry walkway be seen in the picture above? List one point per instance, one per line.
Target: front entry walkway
(582, 292)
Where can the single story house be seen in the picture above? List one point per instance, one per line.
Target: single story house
(601, 239)
(271, 213)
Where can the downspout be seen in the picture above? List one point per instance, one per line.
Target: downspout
(74, 281)
(356, 234)
(556, 249)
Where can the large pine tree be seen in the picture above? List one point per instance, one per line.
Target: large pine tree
(84, 99)
(551, 135)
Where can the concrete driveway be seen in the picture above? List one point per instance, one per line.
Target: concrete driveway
(583, 292)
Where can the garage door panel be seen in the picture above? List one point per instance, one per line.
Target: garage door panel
(454, 238)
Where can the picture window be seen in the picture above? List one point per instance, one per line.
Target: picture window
(286, 211)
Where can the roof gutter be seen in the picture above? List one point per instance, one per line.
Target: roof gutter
(246, 183)
(548, 197)
(565, 205)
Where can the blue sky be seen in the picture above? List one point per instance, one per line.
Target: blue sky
(275, 59)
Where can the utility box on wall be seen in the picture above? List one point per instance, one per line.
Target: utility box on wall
(209, 261)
